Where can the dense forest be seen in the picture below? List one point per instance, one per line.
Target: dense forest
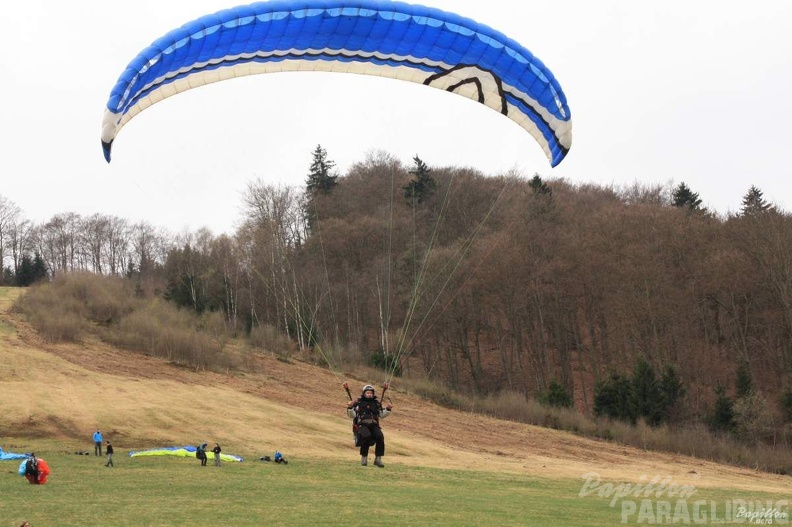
(484, 283)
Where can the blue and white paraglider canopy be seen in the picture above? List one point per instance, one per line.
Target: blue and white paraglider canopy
(373, 37)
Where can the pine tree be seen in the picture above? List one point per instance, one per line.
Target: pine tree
(321, 179)
(8, 276)
(30, 270)
(722, 418)
(541, 202)
(556, 395)
(786, 405)
(684, 197)
(672, 390)
(422, 185)
(753, 203)
(648, 397)
(614, 398)
(539, 187)
(24, 274)
(39, 268)
(744, 383)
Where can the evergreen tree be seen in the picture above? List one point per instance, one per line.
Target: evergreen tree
(684, 197)
(542, 203)
(540, 187)
(753, 203)
(786, 405)
(722, 418)
(649, 402)
(384, 361)
(556, 395)
(672, 390)
(744, 383)
(39, 268)
(614, 398)
(30, 270)
(186, 279)
(24, 275)
(8, 276)
(321, 179)
(422, 185)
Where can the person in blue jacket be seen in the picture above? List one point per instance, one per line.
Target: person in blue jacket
(97, 439)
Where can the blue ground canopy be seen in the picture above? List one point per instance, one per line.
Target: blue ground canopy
(372, 37)
(6, 456)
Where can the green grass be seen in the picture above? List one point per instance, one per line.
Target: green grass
(178, 491)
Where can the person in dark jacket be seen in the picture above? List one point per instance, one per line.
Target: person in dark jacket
(109, 452)
(216, 451)
(31, 469)
(366, 412)
(200, 453)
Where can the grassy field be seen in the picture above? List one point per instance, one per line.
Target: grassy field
(178, 491)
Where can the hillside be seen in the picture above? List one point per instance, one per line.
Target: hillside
(64, 392)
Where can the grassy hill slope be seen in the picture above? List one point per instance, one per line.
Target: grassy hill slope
(57, 394)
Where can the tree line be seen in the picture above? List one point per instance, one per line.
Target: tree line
(565, 292)
(103, 244)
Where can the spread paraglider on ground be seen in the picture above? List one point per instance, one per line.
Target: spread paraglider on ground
(179, 451)
(9, 456)
(372, 37)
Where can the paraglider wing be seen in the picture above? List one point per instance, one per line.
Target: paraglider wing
(43, 471)
(178, 451)
(373, 37)
(8, 456)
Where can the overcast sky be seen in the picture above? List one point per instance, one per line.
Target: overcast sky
(694, 91)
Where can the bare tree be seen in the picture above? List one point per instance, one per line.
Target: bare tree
(276, 213)
(149, 247)
(59, 242)
(116, 247)
(94, 236)
(767, 239)
(20, 240)
(226, 264)
(9, 216)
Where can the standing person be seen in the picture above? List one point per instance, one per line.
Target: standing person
(216, 451)
(97, 438)
(109, 451)
(366, 411)
(200, 453)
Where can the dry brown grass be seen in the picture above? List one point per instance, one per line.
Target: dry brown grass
(77, 307)
(63, 392)
(691, 440)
